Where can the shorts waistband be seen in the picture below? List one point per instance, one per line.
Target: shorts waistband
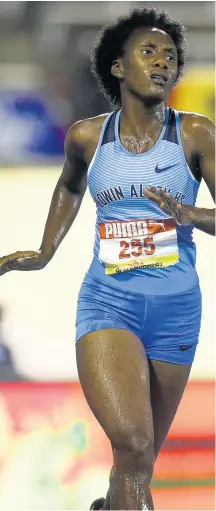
(177, 283)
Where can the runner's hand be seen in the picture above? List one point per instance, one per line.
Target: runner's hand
(22, 261)
(182, 214)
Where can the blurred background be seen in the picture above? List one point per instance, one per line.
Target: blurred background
(53, 454)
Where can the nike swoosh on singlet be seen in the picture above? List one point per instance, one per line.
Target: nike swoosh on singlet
(164, 168)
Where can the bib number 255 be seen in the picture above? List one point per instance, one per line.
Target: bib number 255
(136, 247)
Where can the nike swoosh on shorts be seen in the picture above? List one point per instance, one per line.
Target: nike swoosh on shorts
(185, 348)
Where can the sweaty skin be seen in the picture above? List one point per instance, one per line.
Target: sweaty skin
(197, 133)
(147, 71)
(147, 51)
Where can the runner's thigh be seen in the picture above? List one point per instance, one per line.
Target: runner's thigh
(114, 374)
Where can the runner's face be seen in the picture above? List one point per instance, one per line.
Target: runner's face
(148, 68)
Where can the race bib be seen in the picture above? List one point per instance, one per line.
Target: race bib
(138, 244)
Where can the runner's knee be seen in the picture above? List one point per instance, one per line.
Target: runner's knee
(135, 454)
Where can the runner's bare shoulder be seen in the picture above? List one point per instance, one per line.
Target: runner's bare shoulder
(83, 136)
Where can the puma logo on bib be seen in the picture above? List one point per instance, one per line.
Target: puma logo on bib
(138, 244)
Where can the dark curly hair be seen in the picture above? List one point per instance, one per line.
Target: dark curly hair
(110, 43)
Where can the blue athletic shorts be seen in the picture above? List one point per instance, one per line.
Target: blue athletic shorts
(167, 325)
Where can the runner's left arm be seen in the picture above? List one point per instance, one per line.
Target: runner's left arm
(204, 145)
(204, 219)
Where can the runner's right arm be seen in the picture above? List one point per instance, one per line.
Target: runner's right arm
(65, 204)
(68, 194)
